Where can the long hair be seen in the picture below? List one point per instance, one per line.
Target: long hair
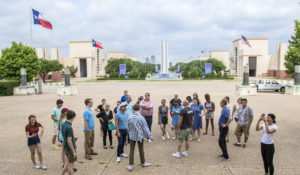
(198, 101)
(29, 118)
(62, 116)
(273, 117)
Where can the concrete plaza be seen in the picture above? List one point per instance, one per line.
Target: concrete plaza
(15, 156)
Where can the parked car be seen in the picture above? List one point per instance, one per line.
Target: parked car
(267, 84)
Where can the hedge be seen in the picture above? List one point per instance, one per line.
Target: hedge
(7, 87)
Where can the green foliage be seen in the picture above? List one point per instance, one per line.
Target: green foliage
(16, 57)
(292, 57)
(7, 87)
(49, 66)
(134, 69)
(73, 70)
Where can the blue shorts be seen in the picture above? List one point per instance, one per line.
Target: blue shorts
(33, 141)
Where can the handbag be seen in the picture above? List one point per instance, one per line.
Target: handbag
(111, 126)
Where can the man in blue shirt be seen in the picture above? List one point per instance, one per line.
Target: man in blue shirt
(88, 128)
(224, 122)
(129, 105)
(123, 98)
(121, 121)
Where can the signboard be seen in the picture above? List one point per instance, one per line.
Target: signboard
(178, 68)
(122, 68)
(208, 68)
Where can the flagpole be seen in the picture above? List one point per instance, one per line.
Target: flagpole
(30, 19)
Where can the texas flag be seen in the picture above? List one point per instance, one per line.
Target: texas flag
(96, 44)
(39, 19)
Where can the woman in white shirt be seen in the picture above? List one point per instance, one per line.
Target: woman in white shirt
(267, 145)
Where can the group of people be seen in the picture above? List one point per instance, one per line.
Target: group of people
(133, 123)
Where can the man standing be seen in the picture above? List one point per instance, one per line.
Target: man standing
(185, 124)
(146, 106)
(123, 98)
(55, 116)
(121, 121)
(224, 122)
(138, 130)
(172, 102)
(69, 144)
(88, 128)
(245, 118)
(129, 105)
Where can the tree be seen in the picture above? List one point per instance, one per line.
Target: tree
(49, 66)
(194, 73)
(292, 57)
(16, 57)
(73, 70)
(134, 73)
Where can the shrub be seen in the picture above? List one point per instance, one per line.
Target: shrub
(7, 87)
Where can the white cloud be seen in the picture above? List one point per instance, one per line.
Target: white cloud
(189, 25)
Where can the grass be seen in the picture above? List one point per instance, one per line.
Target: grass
(101, 163)
(80, 162)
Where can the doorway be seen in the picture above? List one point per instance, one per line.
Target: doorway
(83, 71)
(252, 66)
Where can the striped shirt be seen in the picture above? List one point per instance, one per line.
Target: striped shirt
(138, 128)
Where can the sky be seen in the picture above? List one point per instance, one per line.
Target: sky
(138, 26)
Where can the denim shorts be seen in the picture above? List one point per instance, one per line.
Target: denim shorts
(33, 141)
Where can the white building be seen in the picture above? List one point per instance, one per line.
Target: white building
(119, 54)
(164, 65)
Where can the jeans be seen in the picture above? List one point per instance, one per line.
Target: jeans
(104, 137)
(222, 142)
(141, 151)
(149, 121)
(267, 153)
(121, 140)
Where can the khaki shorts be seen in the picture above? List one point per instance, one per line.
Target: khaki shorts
(70, 157)
(184, 134)
(55, 130)
(239, 130)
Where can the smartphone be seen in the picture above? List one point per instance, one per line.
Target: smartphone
(263, 115)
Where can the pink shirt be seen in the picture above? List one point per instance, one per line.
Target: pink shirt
(146, 112)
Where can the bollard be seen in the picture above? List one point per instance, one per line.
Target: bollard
(67, 77)
(246, 76)
(40, 86)
(297, 75)
(23, 77)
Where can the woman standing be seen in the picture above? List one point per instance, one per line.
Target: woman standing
(189, 98)
(197, 107)
(163, 119)
(34, 143)
(176, 115)
(235, 109)
(209, 116)
(267, 145)
(105, 119)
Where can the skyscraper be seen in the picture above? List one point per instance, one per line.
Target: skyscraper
(147, 60)
(164, 65)
(152, 59)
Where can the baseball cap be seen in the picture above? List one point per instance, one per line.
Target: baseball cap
(123, 104)
(64, 110)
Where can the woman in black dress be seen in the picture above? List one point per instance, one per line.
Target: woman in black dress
(163, 119)
(106, 117)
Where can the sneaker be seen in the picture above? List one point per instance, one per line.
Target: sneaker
(94, 153)
(244, 145)
(163, 138)
(88, 157)
(55, 147)
(124, 155)
(205, 133)
(220, 156)
(213, 134)
(43, 167)
(237, 144)
(191, 139)
(177, 155)
(59, 145)
(37, 167)
(225, 160)
(130, 168)
(199, 140)
(75, 170)
(168, 137)
(174, 138)
(105, 147)
(118, 160)
(149, 140)
(185, 154)
(111, 147)
(146, 164)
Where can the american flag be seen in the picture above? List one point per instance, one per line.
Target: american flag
(245, 41)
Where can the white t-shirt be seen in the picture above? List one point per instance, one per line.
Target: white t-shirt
(268, 138)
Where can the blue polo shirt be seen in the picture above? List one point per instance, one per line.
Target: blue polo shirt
(122, 119)
(225, 114)
(123, 98)
(89, 117)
